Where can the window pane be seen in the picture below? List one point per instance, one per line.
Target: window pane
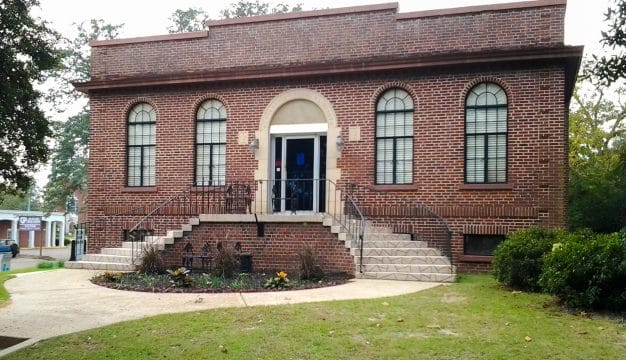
(211, 130)
(486, 114)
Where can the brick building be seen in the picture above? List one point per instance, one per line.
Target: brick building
(445, 129)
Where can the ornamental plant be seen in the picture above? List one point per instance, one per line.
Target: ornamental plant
(279, 281)
(180, 277)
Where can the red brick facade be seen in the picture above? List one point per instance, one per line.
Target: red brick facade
(349, 56)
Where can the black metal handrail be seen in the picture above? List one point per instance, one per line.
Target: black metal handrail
(403, 214)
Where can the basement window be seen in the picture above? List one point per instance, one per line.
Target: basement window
(481, 245)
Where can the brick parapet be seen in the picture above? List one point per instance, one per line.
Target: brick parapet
(333, 38)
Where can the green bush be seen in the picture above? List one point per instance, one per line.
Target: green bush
(588, 271)
(517, 261)
(45, 265)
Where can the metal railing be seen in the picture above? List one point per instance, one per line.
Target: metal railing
(402, 214)
(290, 196)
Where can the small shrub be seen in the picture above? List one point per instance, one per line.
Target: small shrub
(111, 276)
(226, 263)
(180, 277)
(518, 260)
(45, 265)
(60, 264)
(240, 282)
(279, 281)
(309, 268)
(151, 262)
(588, 271)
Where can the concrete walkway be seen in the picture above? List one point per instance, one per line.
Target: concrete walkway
(53, 303)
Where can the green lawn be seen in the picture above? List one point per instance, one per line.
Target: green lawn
(473, 319)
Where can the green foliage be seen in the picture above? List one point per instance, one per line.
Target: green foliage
(180, 277)
(226, 263)
(254, 8)
(588, 271)
(309, 268)
(18, 200)
(112, 276)
(26, 53)
(278, 281)
(611, 68)
(188, 20)
(518, 260)
(597, 186)
(151, 262)
(69, 161)
(45, 265)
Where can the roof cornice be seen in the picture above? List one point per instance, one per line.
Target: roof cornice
(571, 54)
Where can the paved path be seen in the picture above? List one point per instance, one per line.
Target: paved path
(53, 303)
(29, 257)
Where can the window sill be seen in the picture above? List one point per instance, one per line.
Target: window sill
(407, 187)
(507, 186)
(476, 258)
(140, 189)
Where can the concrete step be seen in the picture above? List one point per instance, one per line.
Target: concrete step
(379, 244)
(117, 251)
(93, 265)
(407, 268)
(410, 260)
(397, 251)
(369, 236)
(428, 277)
(117, 259)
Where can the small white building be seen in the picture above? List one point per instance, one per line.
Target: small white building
(52, 233)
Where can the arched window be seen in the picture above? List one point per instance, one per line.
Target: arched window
(486, 134)
(141, 159)
(211, 144)
(394, 138)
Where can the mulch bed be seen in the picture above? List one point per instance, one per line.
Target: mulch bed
(249, 283)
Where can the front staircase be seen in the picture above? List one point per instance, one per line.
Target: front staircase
(391, 256)
(110, 259)
(386, 255)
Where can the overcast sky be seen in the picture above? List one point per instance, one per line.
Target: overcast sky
(583, 21)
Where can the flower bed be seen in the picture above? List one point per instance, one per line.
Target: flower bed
(206, 283)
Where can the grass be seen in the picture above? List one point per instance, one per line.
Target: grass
(473, 319)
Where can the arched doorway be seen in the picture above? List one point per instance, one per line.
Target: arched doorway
(294, 153)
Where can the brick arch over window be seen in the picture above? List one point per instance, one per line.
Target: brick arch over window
(394, 137)
(486, 130)
(141, 118)
(210, 143)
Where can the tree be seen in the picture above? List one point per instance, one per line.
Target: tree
(76, 61)
(610, 68)
(69, 160)
(597, 187)
(254, 8)
(194, 19)
(26, 53)
(20, 200)
(188, 20)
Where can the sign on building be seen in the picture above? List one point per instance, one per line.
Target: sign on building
(29, 223)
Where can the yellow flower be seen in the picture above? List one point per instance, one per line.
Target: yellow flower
(282, 275)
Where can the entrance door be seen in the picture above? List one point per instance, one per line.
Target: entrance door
(299, 172)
